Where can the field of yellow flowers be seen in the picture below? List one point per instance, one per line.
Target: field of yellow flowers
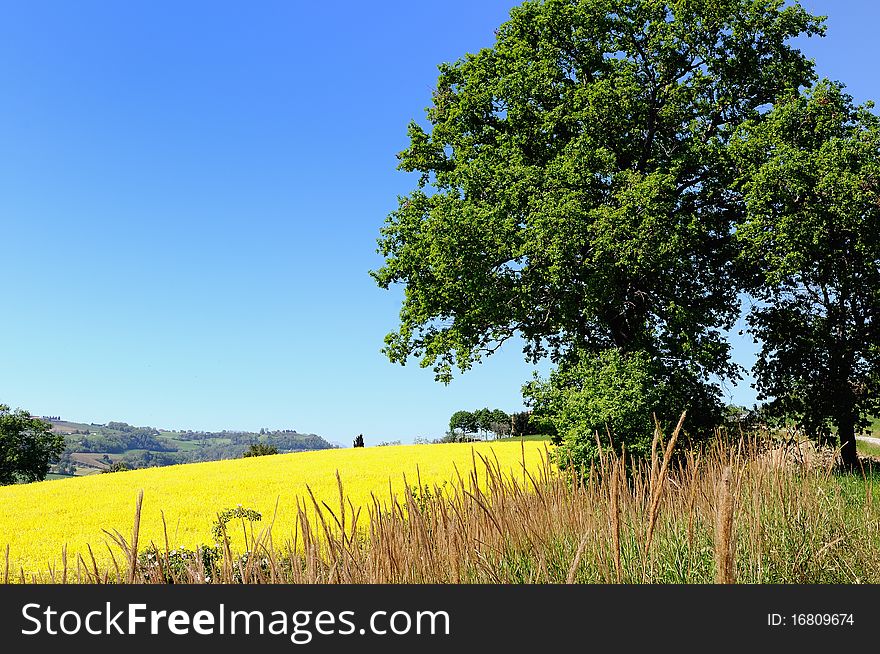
(38, 520)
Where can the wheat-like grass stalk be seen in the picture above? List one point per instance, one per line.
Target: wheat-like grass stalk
(615, 518)
(659, 480)
(133, 553)
(724, 541)
(572, 570)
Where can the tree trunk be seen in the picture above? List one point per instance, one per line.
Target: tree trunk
(846, 432)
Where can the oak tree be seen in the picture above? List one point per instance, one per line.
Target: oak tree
(811, 175)
(574, 189)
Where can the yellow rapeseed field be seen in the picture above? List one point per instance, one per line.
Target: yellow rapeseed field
(39, 519)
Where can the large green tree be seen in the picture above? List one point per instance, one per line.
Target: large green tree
(27, 446)
(811, 174)
(575, 187)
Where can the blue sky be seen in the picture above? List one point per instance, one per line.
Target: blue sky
(190, 195)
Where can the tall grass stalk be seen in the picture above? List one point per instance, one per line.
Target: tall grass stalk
(724, 537)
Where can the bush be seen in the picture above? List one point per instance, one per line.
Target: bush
(119, 466)
(184, 565)
(618, 393)
(178, 565)
(219, 528)
(260, 449)
(28, 446)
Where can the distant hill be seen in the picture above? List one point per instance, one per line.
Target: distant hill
(92, 448)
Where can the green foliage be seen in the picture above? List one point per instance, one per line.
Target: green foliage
(126, 428)
(608, 392)
(260, 449)
(463, 421)
(453, 437)
(239, 512)
(119, 466)
(576, 190)
(482, 420)
(499, 423)
(617, 394)
(182, 564)
(119, 442)
(425, 497)
(64, 465)
(520, 423)
(176, 566)
(143, 447)
(27, 446)
(573, 183)
(136, 459)
(810, 172)
(542, 424)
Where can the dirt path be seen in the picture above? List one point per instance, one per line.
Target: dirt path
(869, 439)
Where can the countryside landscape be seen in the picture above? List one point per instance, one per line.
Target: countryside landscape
(649, 230)
(95, 448)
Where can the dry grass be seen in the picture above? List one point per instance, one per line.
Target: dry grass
(729, 514)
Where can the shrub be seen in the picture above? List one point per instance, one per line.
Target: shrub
(260, 449)
(617, 393)
(178, 565)
(119, 466)
(218, 530)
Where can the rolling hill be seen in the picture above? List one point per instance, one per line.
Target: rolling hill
(91, 448)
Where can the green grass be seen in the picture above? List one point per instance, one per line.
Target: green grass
(868, 449)
(184, 446)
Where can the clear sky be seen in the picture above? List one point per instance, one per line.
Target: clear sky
(190, 195)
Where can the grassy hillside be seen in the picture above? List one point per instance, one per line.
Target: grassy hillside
(39, 519)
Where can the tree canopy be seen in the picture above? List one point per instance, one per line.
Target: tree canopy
(811, 178)
(27, 446)
(260, 449)
(483, 420)
(464, 421)
(575, 188)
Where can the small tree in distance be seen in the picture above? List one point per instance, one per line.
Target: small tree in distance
(500, 423)
(464, 421)
(482, 421)
(260, 449)
(519, 423)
